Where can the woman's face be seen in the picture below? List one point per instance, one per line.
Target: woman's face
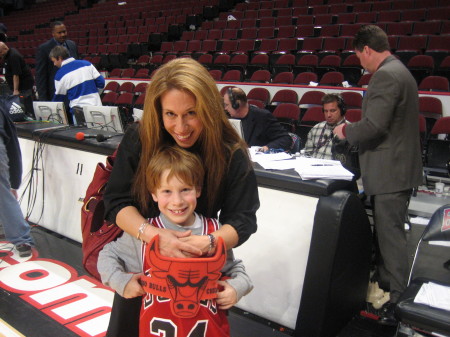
(180, 118)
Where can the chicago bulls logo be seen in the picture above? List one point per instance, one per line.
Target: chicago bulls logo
(185, 281)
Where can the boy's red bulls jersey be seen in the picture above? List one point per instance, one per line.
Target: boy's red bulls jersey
(157, 317)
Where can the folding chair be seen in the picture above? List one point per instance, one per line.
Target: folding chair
(431, 264)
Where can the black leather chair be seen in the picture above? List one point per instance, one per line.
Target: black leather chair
(337, 273)
(431, 264)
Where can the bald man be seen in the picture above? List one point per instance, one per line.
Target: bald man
(260, 126)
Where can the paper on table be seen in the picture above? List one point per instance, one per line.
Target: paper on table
(419, 220)
(307, 168)
(278, 164)
(311, 168)
(264, 158)
(434, 295)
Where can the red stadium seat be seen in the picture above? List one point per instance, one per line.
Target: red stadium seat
(259, 94)
(285, 77)
(305, 78)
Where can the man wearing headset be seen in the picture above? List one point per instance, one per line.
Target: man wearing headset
(260, 127)
(320, 142)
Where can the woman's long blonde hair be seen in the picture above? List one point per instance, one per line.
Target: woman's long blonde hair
(217, 141)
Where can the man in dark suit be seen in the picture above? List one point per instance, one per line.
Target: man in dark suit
(389, 152)
(45, 69)
(260, 126)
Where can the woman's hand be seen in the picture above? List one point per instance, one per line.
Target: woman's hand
(199, 241)
(227, 297)
(174, 244)
(133, 287)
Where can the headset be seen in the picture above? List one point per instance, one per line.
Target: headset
(341, 104)
(234, 103)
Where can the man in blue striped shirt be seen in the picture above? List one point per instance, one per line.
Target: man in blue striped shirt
(79, 80)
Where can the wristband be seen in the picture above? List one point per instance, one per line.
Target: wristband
(212, 244)
(141, 230)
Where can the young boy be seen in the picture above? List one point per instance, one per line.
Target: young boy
(174, 178)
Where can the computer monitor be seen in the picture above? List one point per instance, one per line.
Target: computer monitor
(237, 124)
(50, 112)
(137, 114)
(103, 118)
(438, 158)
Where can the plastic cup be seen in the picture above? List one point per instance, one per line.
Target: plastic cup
(439, 189)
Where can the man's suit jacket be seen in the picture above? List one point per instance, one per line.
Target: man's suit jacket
(261, 128)
(388, 133)
(45, 70)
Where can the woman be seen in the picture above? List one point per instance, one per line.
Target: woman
(183, 107)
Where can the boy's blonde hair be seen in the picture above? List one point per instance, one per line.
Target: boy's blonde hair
(184, 165)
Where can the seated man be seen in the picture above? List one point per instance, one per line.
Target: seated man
(320, 138)
(321, 142)
(260, 127)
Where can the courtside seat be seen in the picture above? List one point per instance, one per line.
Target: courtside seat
(261, 94)
(288, 114)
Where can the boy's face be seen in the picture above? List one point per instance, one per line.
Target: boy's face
(176, 200)
(57, 61)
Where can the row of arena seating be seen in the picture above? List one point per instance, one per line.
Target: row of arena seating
(430, 107)
(420, 66)
(124, 30)
(336, 5)
(287, 70)
(238, 57)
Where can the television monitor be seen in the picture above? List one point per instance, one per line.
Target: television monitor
(103, 118)
(237, 124)
(50, 112)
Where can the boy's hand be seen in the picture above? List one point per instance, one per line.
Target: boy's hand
(227, 296)
(133, 287)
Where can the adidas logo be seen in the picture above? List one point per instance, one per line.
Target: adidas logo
(15, 109)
